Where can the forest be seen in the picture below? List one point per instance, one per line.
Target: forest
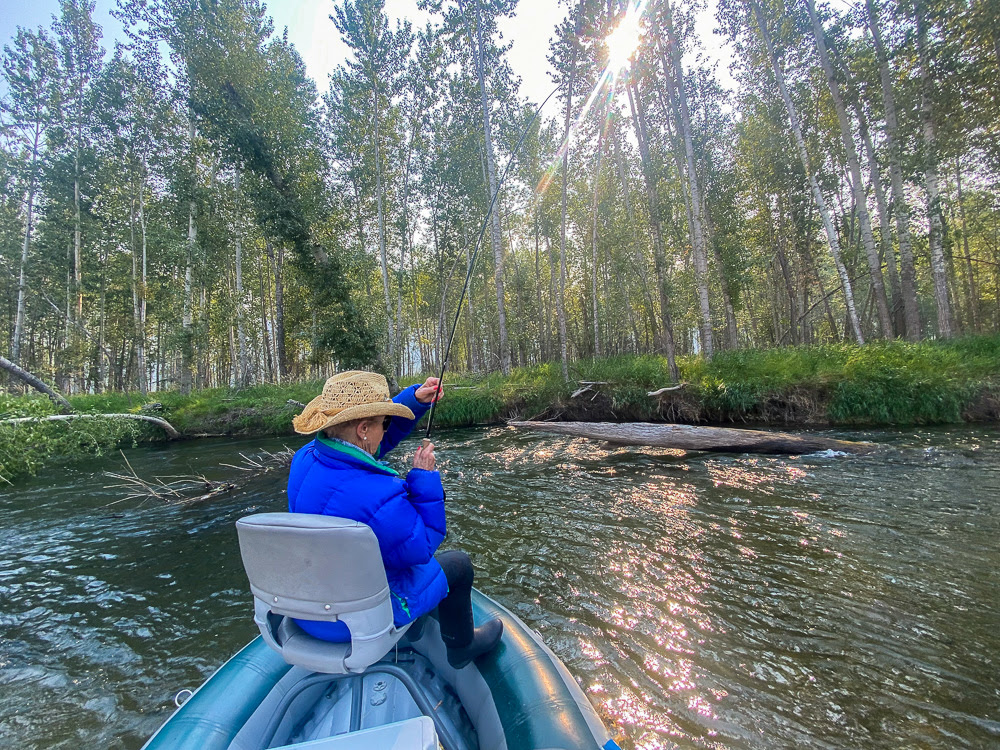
(190, 210)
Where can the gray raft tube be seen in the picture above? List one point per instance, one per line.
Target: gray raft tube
(534, 699)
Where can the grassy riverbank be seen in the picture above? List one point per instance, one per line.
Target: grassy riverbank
(881, 384)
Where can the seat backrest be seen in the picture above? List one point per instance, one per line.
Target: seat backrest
(321, 568)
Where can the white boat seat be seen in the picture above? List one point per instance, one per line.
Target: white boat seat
(321, 568)
(412, 734)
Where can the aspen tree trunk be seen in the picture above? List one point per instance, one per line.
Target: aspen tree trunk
(77, 237)
(821, 205)
(901, 211)
(140, 318)
(732, 336)
(640, 262)
(22, 285)
(542, 325)
(405, 246)
(64, 377)
(857, 184)
(732, 330)
(969, 270)
(659, 255)
(930, 148)
(361, 229)
(885, 230)
(187, 339)
(267, 363)
(629, 312)
(517, 350)
(187, 316)
(423, 339)
(281, 364)
(552, 298)
(234, 356)
(204, 353)
(439, 336)
(495, 234)
(73, 336)
(473, 345)
(103, 359)
(779, 244)
(698, 246)
(959, 287)
(561, 297)
(135, 292)
(593, 237)
(381, 232)
(243, 365)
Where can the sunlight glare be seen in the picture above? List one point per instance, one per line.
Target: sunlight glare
(622, 44)
(623, 41)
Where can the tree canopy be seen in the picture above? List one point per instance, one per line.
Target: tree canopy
(190, 209)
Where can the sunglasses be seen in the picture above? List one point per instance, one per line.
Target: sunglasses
(386, 422)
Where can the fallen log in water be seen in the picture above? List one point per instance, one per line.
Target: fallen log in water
(163, 424)
(689, 438)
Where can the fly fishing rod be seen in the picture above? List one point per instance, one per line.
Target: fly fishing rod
(475, 255)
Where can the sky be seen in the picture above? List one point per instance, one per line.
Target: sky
(316, 39)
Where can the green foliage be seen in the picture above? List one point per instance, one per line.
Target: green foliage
(889, 383)
(892, 382)
(26, 448)
(879, 384)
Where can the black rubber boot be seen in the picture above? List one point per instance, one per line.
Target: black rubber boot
(483, 641)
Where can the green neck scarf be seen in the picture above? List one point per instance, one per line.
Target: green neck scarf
(355, 451)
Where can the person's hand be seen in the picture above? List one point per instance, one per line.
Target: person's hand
(426, 393)
(424, 457)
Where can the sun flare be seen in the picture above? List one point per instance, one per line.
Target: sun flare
(623, 41)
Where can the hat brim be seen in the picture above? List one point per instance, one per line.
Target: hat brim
(306, 422)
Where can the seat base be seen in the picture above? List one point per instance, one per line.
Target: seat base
(300, 649)
(410, 734)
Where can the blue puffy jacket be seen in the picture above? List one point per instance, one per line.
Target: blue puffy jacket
(407, 515)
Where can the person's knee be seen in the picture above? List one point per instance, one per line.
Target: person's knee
(457, 569)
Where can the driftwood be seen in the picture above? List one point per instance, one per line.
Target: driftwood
(162, 423)
(267, 462)
(193, 488)
(686, 437)
(181, 489)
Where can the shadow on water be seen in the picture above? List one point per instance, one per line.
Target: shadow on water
(702, 600)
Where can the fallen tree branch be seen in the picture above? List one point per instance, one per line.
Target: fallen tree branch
(267, 462)
(587, 385)
(162, 423)
(687, 437)
(183, 489)
(36, 383)
(666, 390)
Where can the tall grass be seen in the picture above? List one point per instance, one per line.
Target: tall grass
(883, 383)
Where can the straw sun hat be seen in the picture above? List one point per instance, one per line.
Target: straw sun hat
(349, 395)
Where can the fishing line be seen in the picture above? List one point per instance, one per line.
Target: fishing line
(475, 255)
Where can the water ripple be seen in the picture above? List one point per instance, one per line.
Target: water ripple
(701, 601)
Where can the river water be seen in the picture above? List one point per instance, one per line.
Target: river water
(701, 600)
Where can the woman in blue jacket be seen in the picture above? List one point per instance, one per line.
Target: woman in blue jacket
(337, 474)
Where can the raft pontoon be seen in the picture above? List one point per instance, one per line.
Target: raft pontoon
(387, 688)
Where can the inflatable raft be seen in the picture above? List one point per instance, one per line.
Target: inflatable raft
(387, 688)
